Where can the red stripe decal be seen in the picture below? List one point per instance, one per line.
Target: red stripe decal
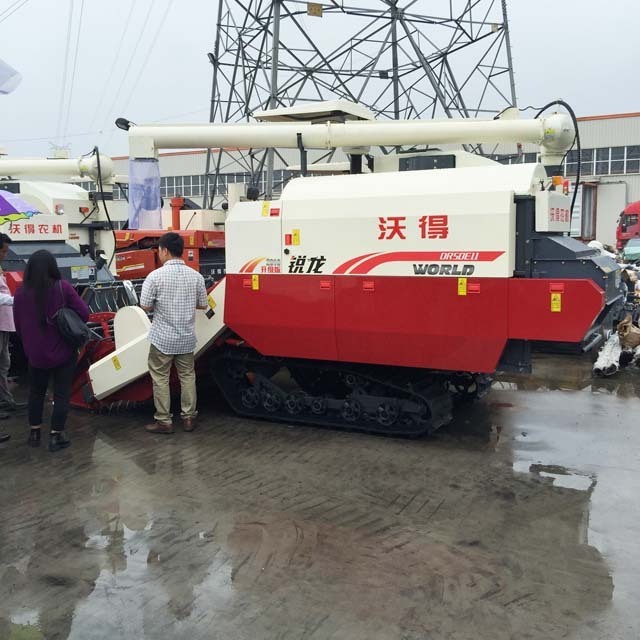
(251, 265)
(416, 256)
(349, 263)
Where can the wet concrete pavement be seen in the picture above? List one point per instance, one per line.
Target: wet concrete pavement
(520, 520)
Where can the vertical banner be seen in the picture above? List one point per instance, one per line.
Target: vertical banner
(144, 194)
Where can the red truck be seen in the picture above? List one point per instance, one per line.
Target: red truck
(628, 225)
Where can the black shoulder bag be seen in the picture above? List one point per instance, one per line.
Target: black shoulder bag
(73, 330)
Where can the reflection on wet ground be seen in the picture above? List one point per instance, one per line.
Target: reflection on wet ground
(519, 520)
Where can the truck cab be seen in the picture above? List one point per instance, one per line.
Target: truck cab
(628, 225)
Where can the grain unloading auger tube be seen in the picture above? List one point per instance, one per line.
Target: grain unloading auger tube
(372, 300)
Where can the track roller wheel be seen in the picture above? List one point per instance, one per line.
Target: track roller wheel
(271, 401)
(318, 406)
(250, 398)
(351, 410)
(387, 413)
(294, 403)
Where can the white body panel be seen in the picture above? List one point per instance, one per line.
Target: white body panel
(129, 360)
(253, 237)
(209, 328)
(131, 328)
(202, 220)
(553, 211)
(45, 198)
(463, 217)
(317, 111)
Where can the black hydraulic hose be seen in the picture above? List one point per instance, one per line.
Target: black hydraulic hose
(104, 204)
(576, 141)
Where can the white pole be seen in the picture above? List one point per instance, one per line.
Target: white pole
(554, 134)
(52, 167)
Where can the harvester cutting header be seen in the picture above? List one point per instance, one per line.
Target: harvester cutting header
(370, 300)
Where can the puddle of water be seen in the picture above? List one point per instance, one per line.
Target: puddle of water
(570, 481)
(561, 476)
(26, 617)
(97, 542)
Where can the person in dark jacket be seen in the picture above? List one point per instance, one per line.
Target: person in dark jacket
(34, 308)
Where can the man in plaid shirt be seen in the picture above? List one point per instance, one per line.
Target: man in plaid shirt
(173, 292)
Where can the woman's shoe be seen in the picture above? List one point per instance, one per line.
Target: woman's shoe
(34, 438)
(58, 440)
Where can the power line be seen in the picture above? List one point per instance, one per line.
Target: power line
(148, 56)
(107, 82)
(73, 72)
(41, 138)
(95, 132)
(64, 71)
(11, 5)
(4, 15)
(126, 72)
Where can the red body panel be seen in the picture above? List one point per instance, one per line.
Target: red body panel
(14, 280)
(137, 250)
(287, 316)
(530, 315)
(136, 263)
(418, 322)
(406, 321)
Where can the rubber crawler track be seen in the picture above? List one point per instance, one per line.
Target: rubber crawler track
(385, 400)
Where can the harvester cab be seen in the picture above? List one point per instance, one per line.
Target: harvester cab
(40, 204)
(373, 299)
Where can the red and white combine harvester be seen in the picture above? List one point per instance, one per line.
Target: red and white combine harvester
(371, 300)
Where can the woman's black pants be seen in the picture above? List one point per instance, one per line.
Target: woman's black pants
(38, 384)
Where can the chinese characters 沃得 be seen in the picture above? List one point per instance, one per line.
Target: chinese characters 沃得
(431, 227)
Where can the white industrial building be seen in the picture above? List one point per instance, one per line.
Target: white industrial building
(610, 172)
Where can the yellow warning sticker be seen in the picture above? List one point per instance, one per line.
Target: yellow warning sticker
(116, 363)
(212, 302)
(192, 240)
(255, 282)
(295, 236)
(127, 235)
(462, 286)
(265, 208)
(556, 302)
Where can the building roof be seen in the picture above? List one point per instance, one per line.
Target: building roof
(610, 116)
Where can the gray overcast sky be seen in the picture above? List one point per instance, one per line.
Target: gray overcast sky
(583, 51)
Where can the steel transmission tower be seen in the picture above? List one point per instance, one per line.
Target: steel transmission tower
(400, 58)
